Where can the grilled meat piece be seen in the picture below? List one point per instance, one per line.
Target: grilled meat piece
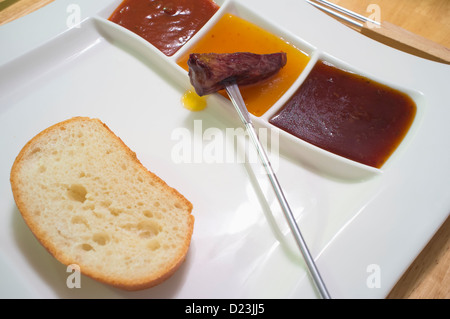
(211, 72)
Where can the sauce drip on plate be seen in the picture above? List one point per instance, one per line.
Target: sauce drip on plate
(347, 114)
(167, 24)
(193, 102)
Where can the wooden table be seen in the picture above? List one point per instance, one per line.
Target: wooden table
(428, 277)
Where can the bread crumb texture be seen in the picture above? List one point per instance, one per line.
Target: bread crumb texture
(90, 202)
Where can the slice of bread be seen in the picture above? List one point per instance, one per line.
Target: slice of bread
(90, 202)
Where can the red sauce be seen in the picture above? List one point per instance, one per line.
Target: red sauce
(167, 24)
(347, 114)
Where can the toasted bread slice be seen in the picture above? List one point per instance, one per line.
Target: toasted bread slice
(90, 202)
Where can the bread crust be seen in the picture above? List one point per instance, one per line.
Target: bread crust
(152, 279)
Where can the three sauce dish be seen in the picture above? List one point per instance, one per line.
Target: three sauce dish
(228, 26)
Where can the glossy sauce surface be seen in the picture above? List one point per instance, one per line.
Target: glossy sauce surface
(234, 34)
(168, 24)
(347, 114)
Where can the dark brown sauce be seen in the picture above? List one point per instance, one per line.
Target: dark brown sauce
(347, 114)
(167, 24)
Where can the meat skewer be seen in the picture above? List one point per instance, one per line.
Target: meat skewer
(212, 72)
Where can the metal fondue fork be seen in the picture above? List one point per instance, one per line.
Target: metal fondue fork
(239, 104)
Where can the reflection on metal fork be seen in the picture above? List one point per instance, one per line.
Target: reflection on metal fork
(347, 15)
(239, 104)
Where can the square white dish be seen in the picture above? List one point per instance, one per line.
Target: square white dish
(385, 221)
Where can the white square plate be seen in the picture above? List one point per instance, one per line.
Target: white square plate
(242, 246)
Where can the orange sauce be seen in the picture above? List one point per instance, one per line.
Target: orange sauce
(234, 34)
(193, 102)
